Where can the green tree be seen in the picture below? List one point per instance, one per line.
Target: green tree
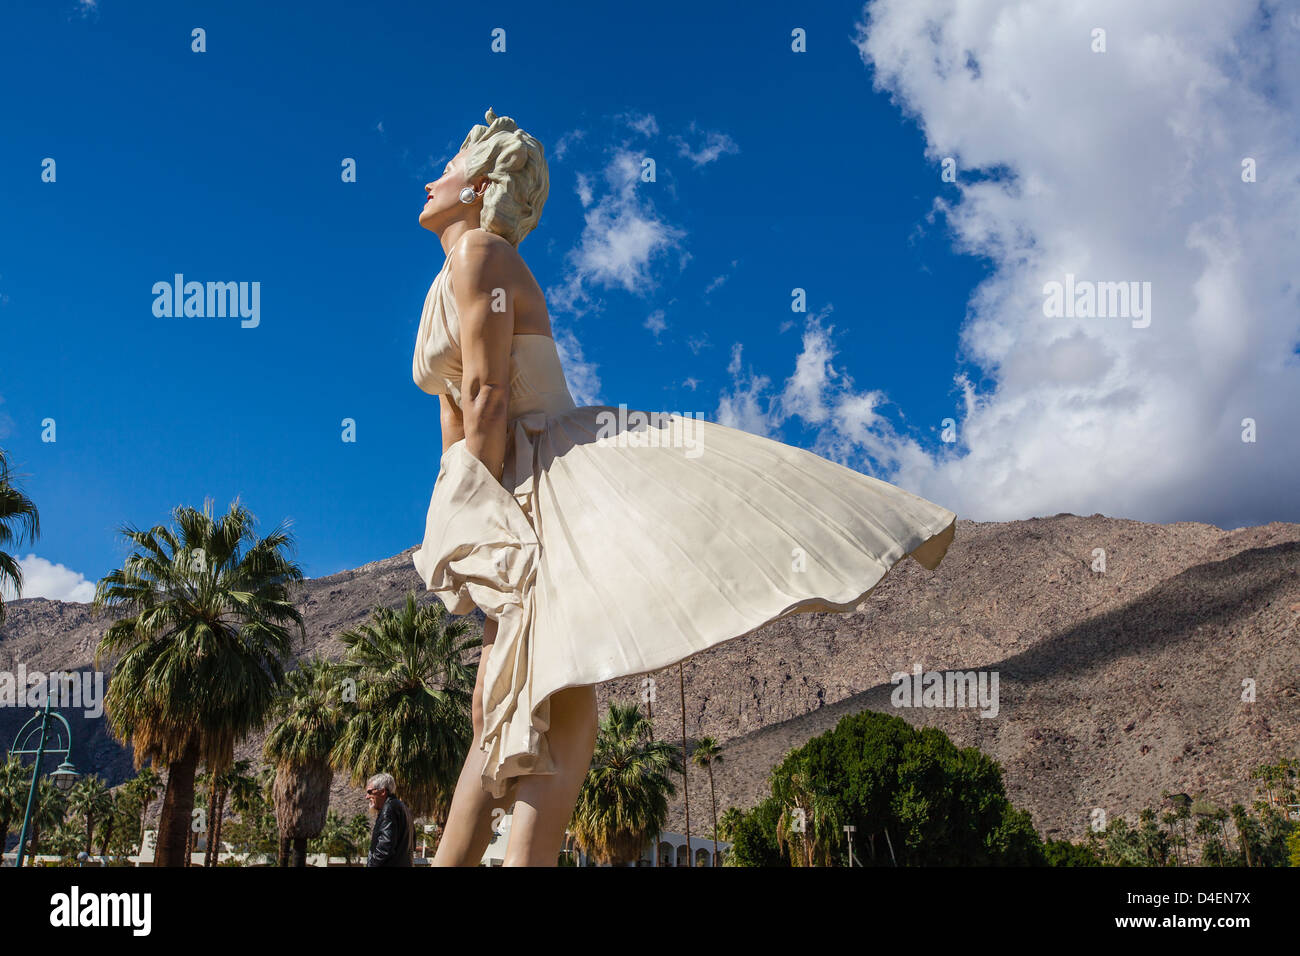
(1247, 832)
(810, 826)
(623, 803)
(1065, 853)
(411, 716)
(914, 798)
(19, 522)
(254, 832)
(91, 801)
(14, 783)
(707, 753)
(141, 791)
(65, 841)
(338, 837)
(200, 654)
(48, 813)
(117, 835)
(727, 822)
(753, 836)
(236, 775)
(310, 721)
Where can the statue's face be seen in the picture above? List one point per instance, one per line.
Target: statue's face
(442, 195)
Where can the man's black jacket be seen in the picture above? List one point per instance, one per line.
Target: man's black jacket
(391, 839)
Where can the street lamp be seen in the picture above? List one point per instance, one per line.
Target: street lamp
(64, 777)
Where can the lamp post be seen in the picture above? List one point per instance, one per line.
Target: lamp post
(64, 777)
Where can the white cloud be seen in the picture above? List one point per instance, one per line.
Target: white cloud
(717, 281)
(746, 406)
(698, 343)
(44, 579)
(846, 426)
(622, 235)
(579, 374)
(643, 123)
(1115, 166)
(558, 151)
(715, 146)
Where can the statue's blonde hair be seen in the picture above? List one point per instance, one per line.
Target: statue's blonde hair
(518, 178)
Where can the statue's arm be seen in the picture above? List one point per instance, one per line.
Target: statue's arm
(485, 306)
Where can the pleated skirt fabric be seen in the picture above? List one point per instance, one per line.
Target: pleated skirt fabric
(616, 545)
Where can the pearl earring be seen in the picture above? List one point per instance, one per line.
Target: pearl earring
(467, 195)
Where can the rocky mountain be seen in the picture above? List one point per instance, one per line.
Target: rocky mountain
(1130, 658)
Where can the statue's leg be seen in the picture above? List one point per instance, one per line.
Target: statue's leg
(544, 802)
(469, 824)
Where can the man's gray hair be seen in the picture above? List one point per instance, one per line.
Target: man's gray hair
(383, 780)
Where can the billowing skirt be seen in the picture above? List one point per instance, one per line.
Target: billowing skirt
(616, 546)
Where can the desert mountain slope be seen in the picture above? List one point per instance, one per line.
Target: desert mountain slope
(1112, 685)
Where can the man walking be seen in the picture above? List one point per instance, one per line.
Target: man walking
(392, 839)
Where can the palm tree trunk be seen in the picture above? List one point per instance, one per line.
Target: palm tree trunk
(686, 793)
(299, 851)
(713, 796)
(105, 838)
(650, 716)
(284, 851)
(209, 858)
(178, 806)
(220, 816)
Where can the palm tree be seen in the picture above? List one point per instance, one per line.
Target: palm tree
(311, 720)
(202, 791)
(686, 790)
(91, 800)
(412, 712)
(142, 791)
(120, 815)
(707, 753)
(727, 823)
(245, 790)
(359, 830)
(809, 844)
(338, 838)
(223, 782)
(201, 650)
(65, 841)
(19, 522)
(250, 798)
(49, 811)
(1245, 829)
(13, 796)
(623, 802)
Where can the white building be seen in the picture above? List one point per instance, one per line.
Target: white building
(669, 851)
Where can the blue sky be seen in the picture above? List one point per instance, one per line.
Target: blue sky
(775, 170)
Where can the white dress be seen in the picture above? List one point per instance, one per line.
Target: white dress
(618, 545)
